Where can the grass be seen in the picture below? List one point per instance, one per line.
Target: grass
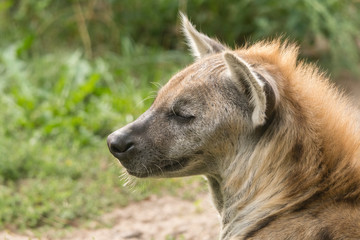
(56, 111)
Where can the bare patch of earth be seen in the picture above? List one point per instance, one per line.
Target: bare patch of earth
(157, 218)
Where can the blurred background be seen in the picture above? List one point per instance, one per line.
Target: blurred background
(72, 71)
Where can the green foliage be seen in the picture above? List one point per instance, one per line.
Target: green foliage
(326, 29)
(56, 111)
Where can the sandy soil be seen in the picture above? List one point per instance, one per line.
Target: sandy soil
(165, 218)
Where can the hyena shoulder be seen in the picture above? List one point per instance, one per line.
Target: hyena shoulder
(326, 222)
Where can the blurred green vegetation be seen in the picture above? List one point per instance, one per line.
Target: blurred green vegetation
(73, 71)
(56, 111)
(327, 30)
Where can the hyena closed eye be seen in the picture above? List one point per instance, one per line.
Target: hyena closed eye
(277, 142)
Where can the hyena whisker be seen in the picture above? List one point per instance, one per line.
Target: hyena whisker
(112, 164)
(128, 180)
(162, 173)
(172, 110)
(145, 99)
(147, 170)
(156, 84)
(123, 175)
(177, 161)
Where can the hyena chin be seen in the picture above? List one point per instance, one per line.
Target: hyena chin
(277, 142)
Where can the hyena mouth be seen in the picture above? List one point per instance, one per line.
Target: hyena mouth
(160, 168)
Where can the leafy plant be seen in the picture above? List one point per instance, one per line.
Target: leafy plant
(56, 111)
(326, 29)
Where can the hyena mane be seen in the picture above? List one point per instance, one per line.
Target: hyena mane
(309, 152)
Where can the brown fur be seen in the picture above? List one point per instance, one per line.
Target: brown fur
(314, 155)
(279, 144)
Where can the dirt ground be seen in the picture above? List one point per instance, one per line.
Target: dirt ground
(164, 218)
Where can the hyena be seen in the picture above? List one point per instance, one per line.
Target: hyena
(278, 144)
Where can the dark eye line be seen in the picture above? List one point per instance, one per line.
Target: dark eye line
(179, 116)
(183, 116)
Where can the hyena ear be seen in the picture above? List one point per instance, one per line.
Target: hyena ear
(199, 43)
(262, 95)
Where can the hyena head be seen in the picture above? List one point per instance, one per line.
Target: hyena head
(202, 116)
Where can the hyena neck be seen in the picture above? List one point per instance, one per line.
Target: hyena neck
(215, 183)
(246, 204)
(279, 176)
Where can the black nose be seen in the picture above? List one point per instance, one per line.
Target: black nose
(119, 143)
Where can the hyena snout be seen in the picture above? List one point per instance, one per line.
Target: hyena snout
(152, 146)
(122, 145)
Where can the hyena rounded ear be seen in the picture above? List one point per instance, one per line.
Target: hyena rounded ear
(200, 44)
(262, 95)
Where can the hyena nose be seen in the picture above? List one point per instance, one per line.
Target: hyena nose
(119, 143)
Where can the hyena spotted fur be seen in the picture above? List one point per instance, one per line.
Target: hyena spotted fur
(277, 142)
